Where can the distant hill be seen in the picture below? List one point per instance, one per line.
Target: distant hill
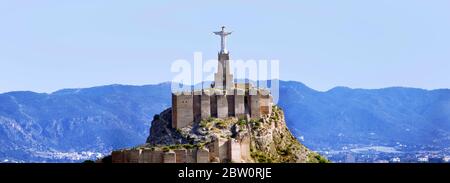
(386, 116)
(75, 124)
(61, 125)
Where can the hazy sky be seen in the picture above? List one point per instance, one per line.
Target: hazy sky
(49, 45)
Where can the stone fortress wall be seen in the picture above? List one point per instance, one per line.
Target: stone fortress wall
(190, 107)
(219, 150)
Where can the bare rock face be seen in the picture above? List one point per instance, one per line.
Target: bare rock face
(161, 132)
(269, 138)
(273, 142)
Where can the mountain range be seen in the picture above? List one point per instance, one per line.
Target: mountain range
(71, 125)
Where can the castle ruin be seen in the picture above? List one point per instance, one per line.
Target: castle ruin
(224, 99)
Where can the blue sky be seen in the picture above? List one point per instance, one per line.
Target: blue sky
(49, 45)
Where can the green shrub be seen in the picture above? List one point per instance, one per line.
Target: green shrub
(178, 130)
(242, 122)
(188, 146)
(284, 152)
(201, 144)
(177, 146)
(321, 159)
(221, 124)
(256, 123)
(261, 157)
(204, 123)
(317, 158)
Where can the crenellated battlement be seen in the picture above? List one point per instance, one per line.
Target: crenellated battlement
(190, 107)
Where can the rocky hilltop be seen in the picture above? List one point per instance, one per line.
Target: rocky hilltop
(220, 140)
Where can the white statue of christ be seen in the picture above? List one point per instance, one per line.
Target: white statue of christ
(223, 34)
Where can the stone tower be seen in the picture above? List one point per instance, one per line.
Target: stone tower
(182, 110)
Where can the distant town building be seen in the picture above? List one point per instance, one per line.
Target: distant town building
(446, 159)
(350, 158)
(395, 160)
